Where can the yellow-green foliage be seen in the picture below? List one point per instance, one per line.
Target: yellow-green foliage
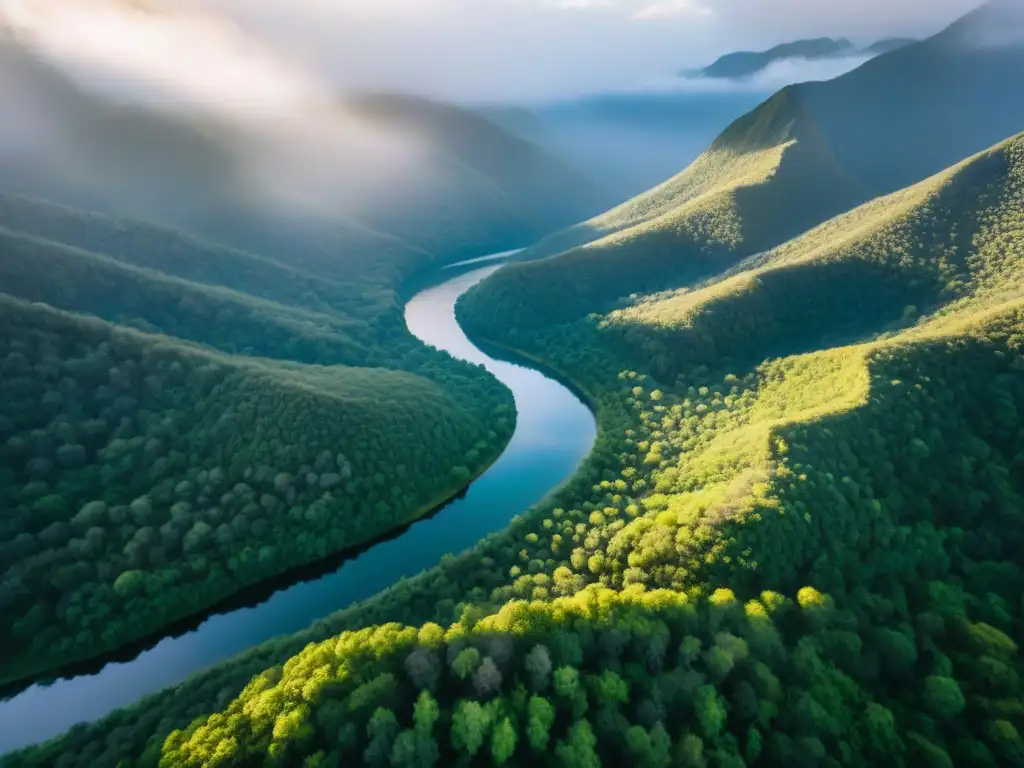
(768, 178)
(950, 242)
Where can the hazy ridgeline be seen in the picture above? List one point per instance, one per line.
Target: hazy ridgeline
(798, 538)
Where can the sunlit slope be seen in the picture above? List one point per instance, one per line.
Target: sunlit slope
(891, 123)
(766, 179)
(144, 479)
(955, 239)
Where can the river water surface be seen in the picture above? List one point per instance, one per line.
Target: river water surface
(553, 434)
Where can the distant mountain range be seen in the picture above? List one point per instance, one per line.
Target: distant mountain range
(742, 64)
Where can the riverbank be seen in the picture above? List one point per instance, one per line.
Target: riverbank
(391, 580)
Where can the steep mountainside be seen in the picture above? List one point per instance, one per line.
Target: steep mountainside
(766, 179)
(952, 241)
(890, 123)
(931, 103)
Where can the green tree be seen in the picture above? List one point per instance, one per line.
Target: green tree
(503, 741)
(470, 722)
(540, 718)
(943, 697)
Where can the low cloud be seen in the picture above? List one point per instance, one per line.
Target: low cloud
(280, 123)
(776, 75)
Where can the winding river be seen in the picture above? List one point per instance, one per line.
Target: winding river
(553, 434)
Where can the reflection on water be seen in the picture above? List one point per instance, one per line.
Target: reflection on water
(553, 433)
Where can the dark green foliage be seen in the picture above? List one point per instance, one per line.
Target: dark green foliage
(137, 469)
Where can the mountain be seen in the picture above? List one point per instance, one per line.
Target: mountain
(743, 64)
(407, 177)
(767, 178)
(810, 152)
(663, 131)
(947, 244)
(494, 187)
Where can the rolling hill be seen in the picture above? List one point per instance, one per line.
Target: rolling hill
(892, 122)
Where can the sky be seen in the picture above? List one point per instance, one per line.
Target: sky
(495, 50)
(478, 51)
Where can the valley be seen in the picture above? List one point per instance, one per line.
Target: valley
(553, 432)
(734, 469)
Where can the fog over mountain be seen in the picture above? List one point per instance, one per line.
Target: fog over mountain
(593, 45)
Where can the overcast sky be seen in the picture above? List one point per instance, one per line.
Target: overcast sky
(463, 50)
(523, 49)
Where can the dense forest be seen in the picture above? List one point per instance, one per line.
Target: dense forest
(794, 543)
(138, 466)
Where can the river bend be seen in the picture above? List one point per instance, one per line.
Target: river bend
(554, 432)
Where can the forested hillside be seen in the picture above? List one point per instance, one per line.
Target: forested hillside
(798, 541)
(808, 153)
(767, 178)
(264, 279)
(137, 469)
(795, 547)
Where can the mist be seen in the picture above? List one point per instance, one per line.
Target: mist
(519, 51)
(280, 126)
(252, 90)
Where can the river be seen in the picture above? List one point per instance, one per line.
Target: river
(554, 432)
